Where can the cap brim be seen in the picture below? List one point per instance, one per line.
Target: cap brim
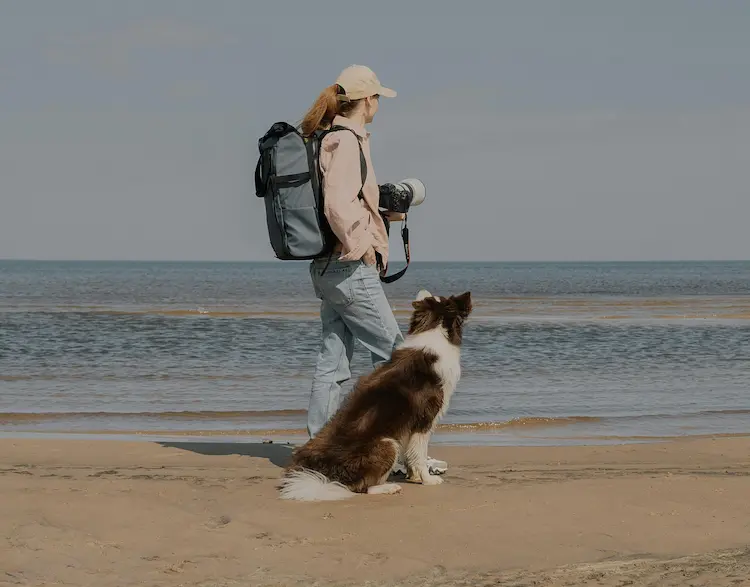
(387, 92)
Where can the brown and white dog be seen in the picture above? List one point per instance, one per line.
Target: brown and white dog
(393, 409)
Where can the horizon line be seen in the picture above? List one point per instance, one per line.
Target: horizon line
(398, 263)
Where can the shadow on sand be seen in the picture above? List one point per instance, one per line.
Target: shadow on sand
(277, 454)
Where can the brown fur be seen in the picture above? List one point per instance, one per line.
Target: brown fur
(449, 313)
(398, 399)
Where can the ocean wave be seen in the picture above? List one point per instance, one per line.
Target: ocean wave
(173, 312)
(136, 377)
(528, 422)
(562, 311)
(11, 418)
(193, 415)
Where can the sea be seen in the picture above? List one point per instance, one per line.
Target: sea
(554, 353)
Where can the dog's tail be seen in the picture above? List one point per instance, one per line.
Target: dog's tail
(307, 485)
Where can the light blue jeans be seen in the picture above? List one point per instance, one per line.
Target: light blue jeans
(353, 306)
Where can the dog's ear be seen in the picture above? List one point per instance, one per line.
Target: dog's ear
(463, 303)
(423, 294)
(427, 304)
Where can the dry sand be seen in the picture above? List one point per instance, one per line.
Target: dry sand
(106, 513)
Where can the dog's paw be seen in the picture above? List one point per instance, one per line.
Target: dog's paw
(432, 480)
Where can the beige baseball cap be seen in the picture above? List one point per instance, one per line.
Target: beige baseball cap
(360, 81)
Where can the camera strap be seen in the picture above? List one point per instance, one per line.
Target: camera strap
(407, 252)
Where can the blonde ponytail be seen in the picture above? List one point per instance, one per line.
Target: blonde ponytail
(322, 112)
(331, 102)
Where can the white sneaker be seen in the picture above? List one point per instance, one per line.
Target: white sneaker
(435, 466)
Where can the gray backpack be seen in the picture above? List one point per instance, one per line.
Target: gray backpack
(288, 178)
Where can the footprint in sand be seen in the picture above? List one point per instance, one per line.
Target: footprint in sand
(219, 522)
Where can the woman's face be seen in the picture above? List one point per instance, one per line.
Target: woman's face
(371, 107)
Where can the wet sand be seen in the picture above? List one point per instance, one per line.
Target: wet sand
(105, 513)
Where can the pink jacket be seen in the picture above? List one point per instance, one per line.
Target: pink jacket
(357, 224)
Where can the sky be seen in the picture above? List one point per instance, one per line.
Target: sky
(544, 130)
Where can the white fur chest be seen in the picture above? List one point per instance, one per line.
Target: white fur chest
(448, 365)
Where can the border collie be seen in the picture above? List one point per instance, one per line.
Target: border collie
(390, 411)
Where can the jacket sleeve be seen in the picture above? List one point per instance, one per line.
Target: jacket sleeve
(342, 181)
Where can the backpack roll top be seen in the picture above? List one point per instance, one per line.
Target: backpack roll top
(287, 178)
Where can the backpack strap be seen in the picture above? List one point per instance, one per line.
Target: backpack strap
(362, 160)
(259, 187)
(262, 168)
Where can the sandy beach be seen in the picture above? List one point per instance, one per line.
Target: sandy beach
(102, 512)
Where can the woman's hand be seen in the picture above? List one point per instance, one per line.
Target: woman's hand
(394, 216)
(369, 257)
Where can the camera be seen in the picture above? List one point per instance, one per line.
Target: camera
(400, 196)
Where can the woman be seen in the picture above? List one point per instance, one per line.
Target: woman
(353, 303)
